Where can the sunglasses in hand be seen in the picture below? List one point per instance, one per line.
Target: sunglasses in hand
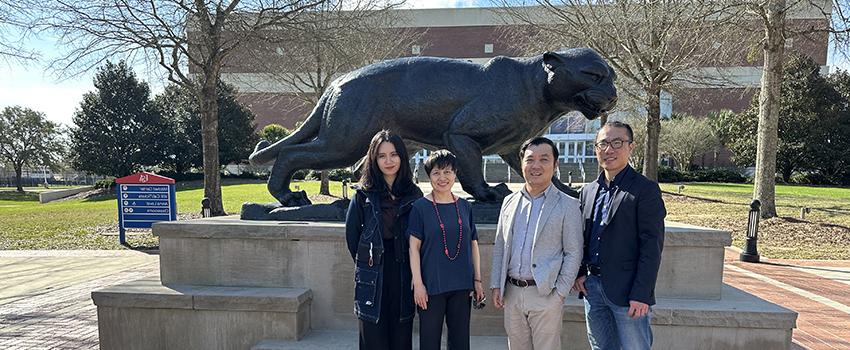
(479, 304)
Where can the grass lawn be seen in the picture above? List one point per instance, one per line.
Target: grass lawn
(78, 224)
(824, 234)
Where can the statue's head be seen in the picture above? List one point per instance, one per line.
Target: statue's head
(579, 79)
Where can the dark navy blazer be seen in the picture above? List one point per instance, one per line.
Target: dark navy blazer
(632, 239)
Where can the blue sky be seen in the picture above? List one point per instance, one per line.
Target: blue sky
(30, 86)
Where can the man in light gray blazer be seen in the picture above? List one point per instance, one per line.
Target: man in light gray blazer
(537, 252)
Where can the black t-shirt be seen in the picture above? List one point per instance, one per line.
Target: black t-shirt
(389, 209)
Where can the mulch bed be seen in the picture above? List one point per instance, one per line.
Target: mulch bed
(780, 237)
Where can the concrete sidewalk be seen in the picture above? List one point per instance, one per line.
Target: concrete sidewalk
(45, 296)
(815, 289)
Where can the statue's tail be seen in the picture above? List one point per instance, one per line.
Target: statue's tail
(266, 152)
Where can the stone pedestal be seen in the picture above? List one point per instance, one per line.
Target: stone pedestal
(145, 314)
(695, 309)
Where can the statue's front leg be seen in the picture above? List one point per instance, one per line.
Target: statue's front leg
(469, 173)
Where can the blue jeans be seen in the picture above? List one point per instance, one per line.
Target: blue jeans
(609, 325)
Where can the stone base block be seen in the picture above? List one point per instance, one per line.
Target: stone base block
(144, 315)
(347, 340)
(226, 251)
(737, 321)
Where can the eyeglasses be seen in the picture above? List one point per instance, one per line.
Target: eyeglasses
(616, 144)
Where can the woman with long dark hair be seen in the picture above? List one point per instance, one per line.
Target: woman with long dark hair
(375, 231)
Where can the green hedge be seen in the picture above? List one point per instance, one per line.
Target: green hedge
(667, 174)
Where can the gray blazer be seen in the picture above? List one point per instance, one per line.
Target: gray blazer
(557, 245)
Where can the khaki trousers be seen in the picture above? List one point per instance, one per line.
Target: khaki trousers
(532, 321)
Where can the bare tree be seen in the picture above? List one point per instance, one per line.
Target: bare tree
(774, 19)
(190, 40)
(684, 137)
(16, 24)
(638, 124)
(654, 46)
(318, 53)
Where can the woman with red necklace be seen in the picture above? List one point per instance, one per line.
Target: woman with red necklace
(444, 259)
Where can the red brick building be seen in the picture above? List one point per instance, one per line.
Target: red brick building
(476, 34)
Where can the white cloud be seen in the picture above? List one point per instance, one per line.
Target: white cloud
(29, 87)
(431, 4)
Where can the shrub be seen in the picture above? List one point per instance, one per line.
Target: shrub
(333, 175)
(300, 174)
(248, 175)
(667, 174)
(274, 132)
(718, 175)
(312, 175)
(107, 183)
(811, 178)
(341, 174)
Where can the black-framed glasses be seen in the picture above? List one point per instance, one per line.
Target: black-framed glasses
(616, 144)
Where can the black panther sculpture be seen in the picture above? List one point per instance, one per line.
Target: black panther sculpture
(467, 108)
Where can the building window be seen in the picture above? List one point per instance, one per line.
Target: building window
(416, 50)
(488, 48)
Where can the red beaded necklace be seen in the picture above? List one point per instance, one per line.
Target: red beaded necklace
(443, 227)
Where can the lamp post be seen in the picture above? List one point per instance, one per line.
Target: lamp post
(751, 254)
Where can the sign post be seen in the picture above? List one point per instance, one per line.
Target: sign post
(144, 198)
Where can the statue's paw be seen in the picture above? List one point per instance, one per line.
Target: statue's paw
(566, 189)
(502, 190)
(492, 194)
(294, 199)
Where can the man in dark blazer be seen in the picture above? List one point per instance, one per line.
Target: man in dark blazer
(623, 237)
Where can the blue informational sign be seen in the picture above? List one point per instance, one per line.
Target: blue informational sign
(140, 205)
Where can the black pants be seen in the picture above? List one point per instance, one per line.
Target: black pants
(388, 333)
(453, 307)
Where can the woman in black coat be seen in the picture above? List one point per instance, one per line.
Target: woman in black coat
(375, 229)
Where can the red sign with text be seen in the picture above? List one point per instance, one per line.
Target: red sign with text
(144, 178)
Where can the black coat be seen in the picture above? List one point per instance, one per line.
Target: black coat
(631, 241)
(363, 233)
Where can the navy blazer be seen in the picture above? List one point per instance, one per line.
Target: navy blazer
(632, 239)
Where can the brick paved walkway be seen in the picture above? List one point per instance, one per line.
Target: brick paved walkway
(816, 290)
(45, 297)
(62, 317)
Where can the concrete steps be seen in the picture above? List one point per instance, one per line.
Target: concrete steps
(736, 321)
(346, 340)
(198, 317)
(264, 276)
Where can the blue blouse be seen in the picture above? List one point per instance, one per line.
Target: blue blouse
(439, 273)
